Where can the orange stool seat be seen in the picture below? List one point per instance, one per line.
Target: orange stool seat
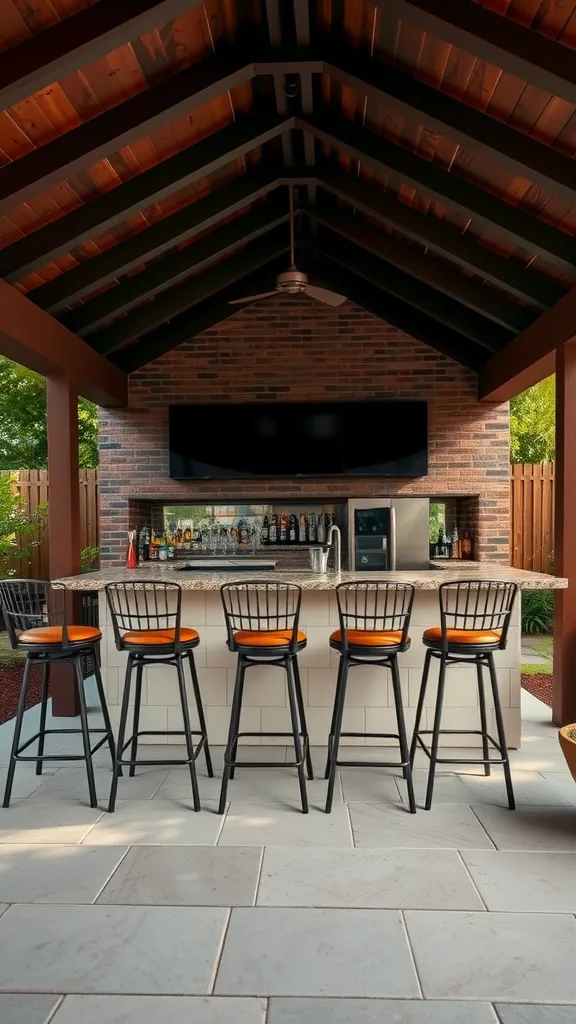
(159, 637)
(461, 637)
(53, 635)
(369, 637)
(266, 637)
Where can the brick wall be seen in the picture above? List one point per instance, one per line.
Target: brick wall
(297, 349)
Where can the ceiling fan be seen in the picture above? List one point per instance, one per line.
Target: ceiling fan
(294, 281)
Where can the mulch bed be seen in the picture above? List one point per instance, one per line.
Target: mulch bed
(10, 681)
(539, 686)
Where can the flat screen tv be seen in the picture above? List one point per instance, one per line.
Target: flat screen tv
(298, 439)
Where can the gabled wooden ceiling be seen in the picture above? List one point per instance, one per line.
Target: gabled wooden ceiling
(145, 150)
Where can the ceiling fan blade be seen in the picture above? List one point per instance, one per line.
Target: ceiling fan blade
(323, 295)
(251, 298)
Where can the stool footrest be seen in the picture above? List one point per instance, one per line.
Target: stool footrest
(269, 764)
(161, 732)
(372, 764)
(18, 756)
(461, 760)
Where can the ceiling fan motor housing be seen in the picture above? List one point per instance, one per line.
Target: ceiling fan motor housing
(292, 282)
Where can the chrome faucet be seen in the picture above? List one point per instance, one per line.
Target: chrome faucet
(334, 530)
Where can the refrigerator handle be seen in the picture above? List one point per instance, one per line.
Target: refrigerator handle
(392, 565)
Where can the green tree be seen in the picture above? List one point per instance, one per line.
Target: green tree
(23, 440)
(20, 530)
(532, 424)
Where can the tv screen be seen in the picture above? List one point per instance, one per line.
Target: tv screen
(292, 439)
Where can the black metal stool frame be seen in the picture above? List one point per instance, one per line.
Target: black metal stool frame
(32, 604)
(471, 605)
(370, 606)
(265, 606)
(142, 606)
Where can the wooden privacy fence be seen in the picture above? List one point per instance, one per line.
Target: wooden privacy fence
(33, 485)
(532, 516)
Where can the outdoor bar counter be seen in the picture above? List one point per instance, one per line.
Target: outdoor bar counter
(369, 704)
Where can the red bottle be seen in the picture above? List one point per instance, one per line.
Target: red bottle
(131, 557)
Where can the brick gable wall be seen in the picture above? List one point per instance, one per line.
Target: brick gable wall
(299, 350)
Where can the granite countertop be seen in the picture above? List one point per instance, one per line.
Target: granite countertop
(425, 579)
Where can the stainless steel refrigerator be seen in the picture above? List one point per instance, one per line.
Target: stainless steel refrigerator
(387, 534)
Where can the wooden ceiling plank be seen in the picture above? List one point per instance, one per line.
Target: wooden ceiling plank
(199, 161)
(78, 40)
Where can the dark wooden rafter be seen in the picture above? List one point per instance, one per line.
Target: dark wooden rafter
(398, 313)
(274, 24)
(174, 301)
(524, 282)
(487, 210)
(177, 265)
(436, 273)
(199, 161)
(523, 52)
(78, 40)
(302, 32)
(443, 310)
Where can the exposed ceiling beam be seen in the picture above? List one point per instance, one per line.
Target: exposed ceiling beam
(445, 311)
(523, 282)
(153, 241)
(436, 273)
(33, 338)
(531, 356)
(487, 210)
(176, 300)
(394, 311)
(199, 161)
(166, 273)
(523, 52)
(78, 40)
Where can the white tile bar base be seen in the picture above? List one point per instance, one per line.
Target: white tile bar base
(369, 704)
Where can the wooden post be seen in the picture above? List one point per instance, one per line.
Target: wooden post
(64, 517)
(564, 690)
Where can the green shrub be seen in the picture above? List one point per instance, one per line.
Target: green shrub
(20, 530)
(537, 611)
(90, 558)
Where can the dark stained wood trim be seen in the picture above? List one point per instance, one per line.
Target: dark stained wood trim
(176, 300)
(523, 52)
(563, 689)
(487, 210)
(445, 311)
(32, 337)
(437, 273)
(153, 241)
(78, 40)
(523, 282)
(199, 161)
(531, 356)
(166, 273)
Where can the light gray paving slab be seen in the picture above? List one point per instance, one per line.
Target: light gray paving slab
(529, 828)
(563, 784)
(394, 879)
(46, 821)
(213, 876)
(116, 950)
(160, 1010)
(157, 823)
(446, 826)
(26, 781)
(510, 957)
(55, 874)
(530, 789)
(70, 784)
(316, 953)
(510, 1014)
(370, 785)
(24, 1009)
(268, 824)
(524, 882)
(272, 785)
(377, 1011)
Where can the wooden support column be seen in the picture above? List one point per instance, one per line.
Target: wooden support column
(564, 690)
(64, 517)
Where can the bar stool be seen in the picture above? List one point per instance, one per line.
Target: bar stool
(374, 623)
(262, 629)
(474, 621)
(146, 619)
(36, 620)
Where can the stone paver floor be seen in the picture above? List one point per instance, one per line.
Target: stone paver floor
(157, 915)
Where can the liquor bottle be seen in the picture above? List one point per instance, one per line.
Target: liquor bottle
(170, 545)
(446, 545)
(321, 532)
(243, 533)
(302, 530)
(283, 528)
(178, 537)
(265, 534)
(456, 544)
(312, 536)
(273, 537)
(154, 548)
(187, 539)
(467, 546)
(440, 544)
(293, 529)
